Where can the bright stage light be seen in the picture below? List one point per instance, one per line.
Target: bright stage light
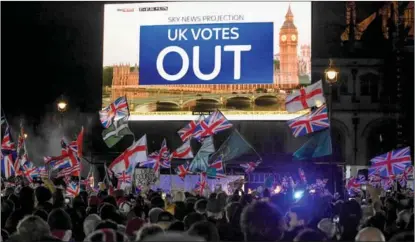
(298, 194)
(313, 191)
(277, 189)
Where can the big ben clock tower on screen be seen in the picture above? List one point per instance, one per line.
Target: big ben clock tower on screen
(288, 52)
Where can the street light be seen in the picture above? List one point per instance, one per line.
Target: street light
(331, 74)
(62, 105)
(25, 135)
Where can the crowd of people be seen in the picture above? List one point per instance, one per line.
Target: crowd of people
(40, 214)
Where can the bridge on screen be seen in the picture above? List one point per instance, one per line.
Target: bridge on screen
(219, 98)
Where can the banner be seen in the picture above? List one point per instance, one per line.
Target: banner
(229, 53)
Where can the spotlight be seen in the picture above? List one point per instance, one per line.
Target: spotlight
(277, 189)
(313, 191)
(298, 194)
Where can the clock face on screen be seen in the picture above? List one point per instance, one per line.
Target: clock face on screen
(284, 37)
(293, 37)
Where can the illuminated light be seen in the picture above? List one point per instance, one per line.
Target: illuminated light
(313, 191)
(249, 191)
(277, 189)
(298, 194)
(62, 105)
(318, 103)
(25, 136)
(331, 74)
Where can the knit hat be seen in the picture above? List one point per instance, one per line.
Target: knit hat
(106, 235)
(133, 226)
(153, 214)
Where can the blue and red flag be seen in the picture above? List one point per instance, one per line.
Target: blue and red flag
(217, 168)
(116, 110)
(215, 123)
(392, 163)
(314, 121)
(183, 170)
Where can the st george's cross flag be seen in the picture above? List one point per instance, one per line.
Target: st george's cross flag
(116, 110)
(392, 163)
(183, 152)
(134, 154)
(311, 122)
(305, 98)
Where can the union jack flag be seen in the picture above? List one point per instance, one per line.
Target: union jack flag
(160, 158)
(392, 163)
(250, 166)
(183, 170)
(387, 183)
(403, 178)
(30, 173)
(311, 122)
(116, 110)
(302, 175)
(217, 166)
(43, 172)
(187, 132)
(69, 171)
(68, 160)
(6, 143)
(352, 184)
(154, 162)
(123, 178)
(72, 189)
(7, 167)
(213, 124)
(201, 185)
(375, 180)
(361, 179)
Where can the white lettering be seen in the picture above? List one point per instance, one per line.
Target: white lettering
(196, 34)
(182, 35)
(237, 49)
(185, 63)
(234, 33)
(216, 68)
(216, 30)
(207, 36)
(179, 34)
(225, 33)
(169, 35)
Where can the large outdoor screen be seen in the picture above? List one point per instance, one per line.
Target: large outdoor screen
(175, 60)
